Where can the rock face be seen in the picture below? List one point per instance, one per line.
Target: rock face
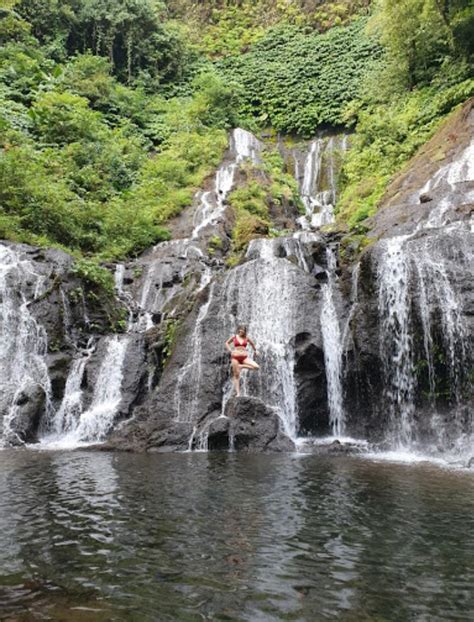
(412, 324)
(50, 318)
(247, 425)
(435, 184)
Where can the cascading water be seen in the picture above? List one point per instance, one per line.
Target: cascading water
(97, 420)
(333, 348)
(437, 296)
(23, 342)
(415, 284)
(318, 185)
(72, 425)
(396, 339)
(66, 418)
(418, 302)
(262, 295)
(210, 209)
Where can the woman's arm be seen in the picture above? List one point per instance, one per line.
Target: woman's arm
(227, 344)
(253, 346)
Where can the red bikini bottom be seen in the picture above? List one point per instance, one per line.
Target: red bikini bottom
(240, 357)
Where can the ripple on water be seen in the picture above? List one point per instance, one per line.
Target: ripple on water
(224, 536)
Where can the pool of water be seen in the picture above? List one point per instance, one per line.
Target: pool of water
(102, 537)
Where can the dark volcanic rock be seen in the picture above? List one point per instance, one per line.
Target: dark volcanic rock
(334, 448)
(58, 366)
(29, 405)
(248, 425)
(255, 426)
(142, 433)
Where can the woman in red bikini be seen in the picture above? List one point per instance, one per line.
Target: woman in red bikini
(239, 355)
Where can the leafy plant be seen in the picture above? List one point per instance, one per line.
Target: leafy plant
(97, 277)
(296, 82)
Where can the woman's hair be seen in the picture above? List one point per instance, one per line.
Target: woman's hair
(242, 327)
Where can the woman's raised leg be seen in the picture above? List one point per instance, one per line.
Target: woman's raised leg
(250, 364)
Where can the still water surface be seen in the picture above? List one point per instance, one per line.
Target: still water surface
(102, 537)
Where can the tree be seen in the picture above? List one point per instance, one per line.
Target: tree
(130, 33)
(420, 34)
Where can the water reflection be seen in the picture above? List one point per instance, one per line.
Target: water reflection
(231, 537)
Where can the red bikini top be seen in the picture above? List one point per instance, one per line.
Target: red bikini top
(237, 343)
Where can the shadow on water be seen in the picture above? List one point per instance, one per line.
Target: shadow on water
(98, 536)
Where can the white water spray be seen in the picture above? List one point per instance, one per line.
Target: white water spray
(23, 341)
(333, 348)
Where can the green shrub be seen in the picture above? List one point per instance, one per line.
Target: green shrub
(94, 275)
(62, 118)
(296, 82)
(387, 135)
(266, 184)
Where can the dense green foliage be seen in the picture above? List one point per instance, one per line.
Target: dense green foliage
(423, 35)
(221, 28)
(425, 73)
(296, 82)
(89, 163)
(113, 113)
(131, 34)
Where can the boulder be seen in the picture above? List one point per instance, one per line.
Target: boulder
(29, 406)
(254, 426)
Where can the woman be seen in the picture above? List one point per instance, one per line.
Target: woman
(240, 356)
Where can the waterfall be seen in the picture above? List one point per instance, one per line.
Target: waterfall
(437, 295)
(414, 282)
(67, 317)
(98, 419)
(189, 379)
(333, 348)
(23, 341)
(396, 338)
(262, 295)
(245, 146)
(72, 425)
(67, 416)
(318, 185)
(204, 214)
(118, 278)
(210, 209)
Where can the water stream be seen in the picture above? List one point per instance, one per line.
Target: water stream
(318, 183)
(23, 341)
(333, 348)
(73, 424)
(415, 283)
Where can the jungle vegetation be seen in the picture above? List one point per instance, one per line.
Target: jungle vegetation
(113, 112)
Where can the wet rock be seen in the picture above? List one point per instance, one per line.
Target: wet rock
(425, 197)
(58, 368)
(29, 406)
(141, 434)
(335, 447)
(254, 426)
(218, 434)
